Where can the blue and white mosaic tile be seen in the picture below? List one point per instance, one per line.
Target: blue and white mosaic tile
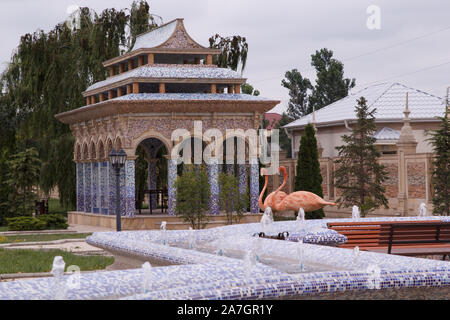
(199, 274)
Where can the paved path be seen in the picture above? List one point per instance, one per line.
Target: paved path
(71, 245)
(78, 228)
(73, 228)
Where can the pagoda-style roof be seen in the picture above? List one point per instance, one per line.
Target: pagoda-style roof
(162, 103)
(167, 74)
(176, 76)
(171, 37)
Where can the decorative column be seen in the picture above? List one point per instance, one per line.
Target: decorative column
(242, 176)
(254, 185)
(151, 58)
(111, 195)
(171, 177)
(213, 179)
(104, 182)
(140, 61)
(209, 59)
(80, 187)
(129, 198)
(122, 191)
(95, 178)
(230, 169)
(135, 87)
(151, 179)
(87, 187)
(406, 144)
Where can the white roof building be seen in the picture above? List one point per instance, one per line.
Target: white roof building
(389, 99)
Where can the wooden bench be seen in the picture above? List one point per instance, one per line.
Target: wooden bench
(408, 238)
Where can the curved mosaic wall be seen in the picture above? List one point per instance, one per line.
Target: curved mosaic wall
(202, 275)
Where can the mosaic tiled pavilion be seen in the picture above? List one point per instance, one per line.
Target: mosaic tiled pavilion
(167, 81)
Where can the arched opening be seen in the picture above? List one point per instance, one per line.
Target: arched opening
(151, 177)
(85, 152)
(101, 151)
(78, 152)
(191, 152)
(118, 143)
(93, 152)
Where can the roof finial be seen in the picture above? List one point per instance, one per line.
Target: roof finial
(407, 141)
(407, 112)
(314, 117)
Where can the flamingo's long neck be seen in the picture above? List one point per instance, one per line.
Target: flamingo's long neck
(260, 201)
(276, 206)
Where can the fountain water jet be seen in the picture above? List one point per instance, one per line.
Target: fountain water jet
(267, 220)
(59, 287)
(423, 210)
(191, 238)
(163, 233)
(355, 256)
(355, 213)
(300, 221)
(146, 277)
(300, 254)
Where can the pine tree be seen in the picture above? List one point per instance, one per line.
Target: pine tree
(23, 176)
(298, 93)
(329, 87)
(441, 167)
(359, 174)
(308, 176)
(285, 141)
(330, 83)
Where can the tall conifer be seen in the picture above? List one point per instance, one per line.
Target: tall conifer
(308, 176)
(441, 167)
(359, 175)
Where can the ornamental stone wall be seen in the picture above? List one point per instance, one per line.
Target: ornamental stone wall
(417, 184)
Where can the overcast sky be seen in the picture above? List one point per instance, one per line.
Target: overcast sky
(283, 34)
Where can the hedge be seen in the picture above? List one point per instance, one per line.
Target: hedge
(43, 222)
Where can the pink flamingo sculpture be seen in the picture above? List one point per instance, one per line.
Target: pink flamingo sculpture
(271, 199)
(300, 199)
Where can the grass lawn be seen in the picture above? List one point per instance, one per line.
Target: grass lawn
(5, 228)
(27, 261)
(42, 237)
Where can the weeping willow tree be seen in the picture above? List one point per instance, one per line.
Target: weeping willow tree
(46, 75)
(233, 53)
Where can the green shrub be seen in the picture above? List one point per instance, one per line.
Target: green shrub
(48, 221)
(231, 201)
(193, 196)
(54, 221)
(25, 223)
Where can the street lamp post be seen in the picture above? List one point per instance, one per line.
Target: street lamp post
(117, 159)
